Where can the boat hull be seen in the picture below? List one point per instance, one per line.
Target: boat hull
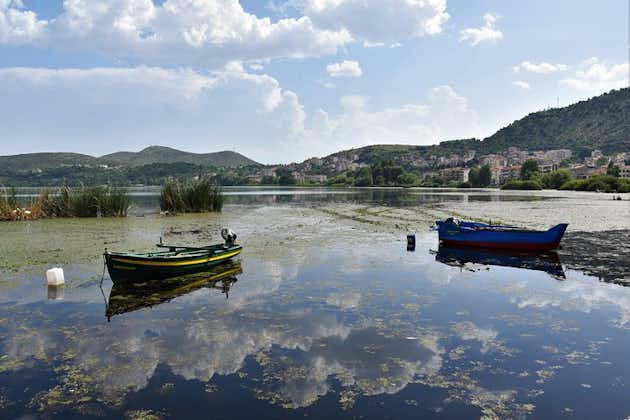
(124, 268)
(484, 236)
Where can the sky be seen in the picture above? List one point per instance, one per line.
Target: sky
(284, 80)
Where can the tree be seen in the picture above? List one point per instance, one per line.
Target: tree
(555, 179)
(364, 178)
(473, 177)
(602, 161)
(408, 178)
(480, 177)
(530, 169)
(613, 170)
(485, 176)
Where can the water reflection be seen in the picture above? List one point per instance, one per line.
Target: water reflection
(124, 298)
(548, 262)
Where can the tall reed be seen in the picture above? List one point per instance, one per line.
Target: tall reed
(72, 202)
(191, 197)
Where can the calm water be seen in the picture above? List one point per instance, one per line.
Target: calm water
(316, 319)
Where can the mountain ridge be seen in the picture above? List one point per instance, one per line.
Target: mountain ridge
(148, 155)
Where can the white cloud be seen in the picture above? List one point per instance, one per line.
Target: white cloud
(214, 32)
(82, 110)
(594, 76)
(521, 84)
(379, 21)
(184, 32)
(487, 33)
(17, 25)
(540, 68)
(446, 115)
(346, 68)
(79, 110)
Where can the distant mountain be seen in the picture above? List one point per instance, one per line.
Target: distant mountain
(150, 155)
(161, 154)
(33, 161)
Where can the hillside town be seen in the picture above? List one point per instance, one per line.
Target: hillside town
(504, 167)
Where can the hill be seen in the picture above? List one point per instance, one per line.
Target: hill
(161, 154)
(602, 122)
(150, 155)
(33, 161)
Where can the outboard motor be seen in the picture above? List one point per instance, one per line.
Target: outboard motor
(229, 236)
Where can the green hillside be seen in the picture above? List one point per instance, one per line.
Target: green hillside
(602, 122)
(161, 154)
(34, 161)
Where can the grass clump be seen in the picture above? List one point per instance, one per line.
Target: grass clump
(191, 197)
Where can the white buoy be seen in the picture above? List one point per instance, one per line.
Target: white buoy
(55, 277)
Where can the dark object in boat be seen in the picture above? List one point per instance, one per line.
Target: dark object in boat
(411, 242)
(459, 233)
(547, 261)
(125, 267)
(124, 298)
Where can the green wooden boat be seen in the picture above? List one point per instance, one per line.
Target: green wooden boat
(126, 267)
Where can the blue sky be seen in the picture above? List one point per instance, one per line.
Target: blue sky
(282, 81)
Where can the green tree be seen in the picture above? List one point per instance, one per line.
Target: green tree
(364, 178)
(602, 161)
(473, 177)
(530, 169)
(485, 176)
(613, 170)
(555, 179)
(408, 178)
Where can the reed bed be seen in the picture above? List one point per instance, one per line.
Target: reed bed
(68, 202)
(191, 197)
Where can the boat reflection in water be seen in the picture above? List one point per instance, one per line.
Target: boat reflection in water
(131, 297)
(548, 262)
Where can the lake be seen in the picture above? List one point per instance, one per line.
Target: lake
(325, 314)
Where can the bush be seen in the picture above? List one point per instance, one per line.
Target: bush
(555, 179)
(604, 183)
(522, 185)
(194, 197)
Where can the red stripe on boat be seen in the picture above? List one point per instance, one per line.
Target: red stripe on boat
(505, 245)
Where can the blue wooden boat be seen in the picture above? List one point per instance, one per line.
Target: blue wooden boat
(460, 233)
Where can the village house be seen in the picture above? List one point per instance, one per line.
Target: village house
(585, 171)
(455, 174)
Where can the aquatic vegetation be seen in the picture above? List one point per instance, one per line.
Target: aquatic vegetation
(68, 202)
(8, 203)
(192, 197)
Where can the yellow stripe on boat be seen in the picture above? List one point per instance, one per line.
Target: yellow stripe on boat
(176, 263)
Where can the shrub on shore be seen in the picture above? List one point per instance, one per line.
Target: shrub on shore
(605, 183)
(522, 185)
(192, 197)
